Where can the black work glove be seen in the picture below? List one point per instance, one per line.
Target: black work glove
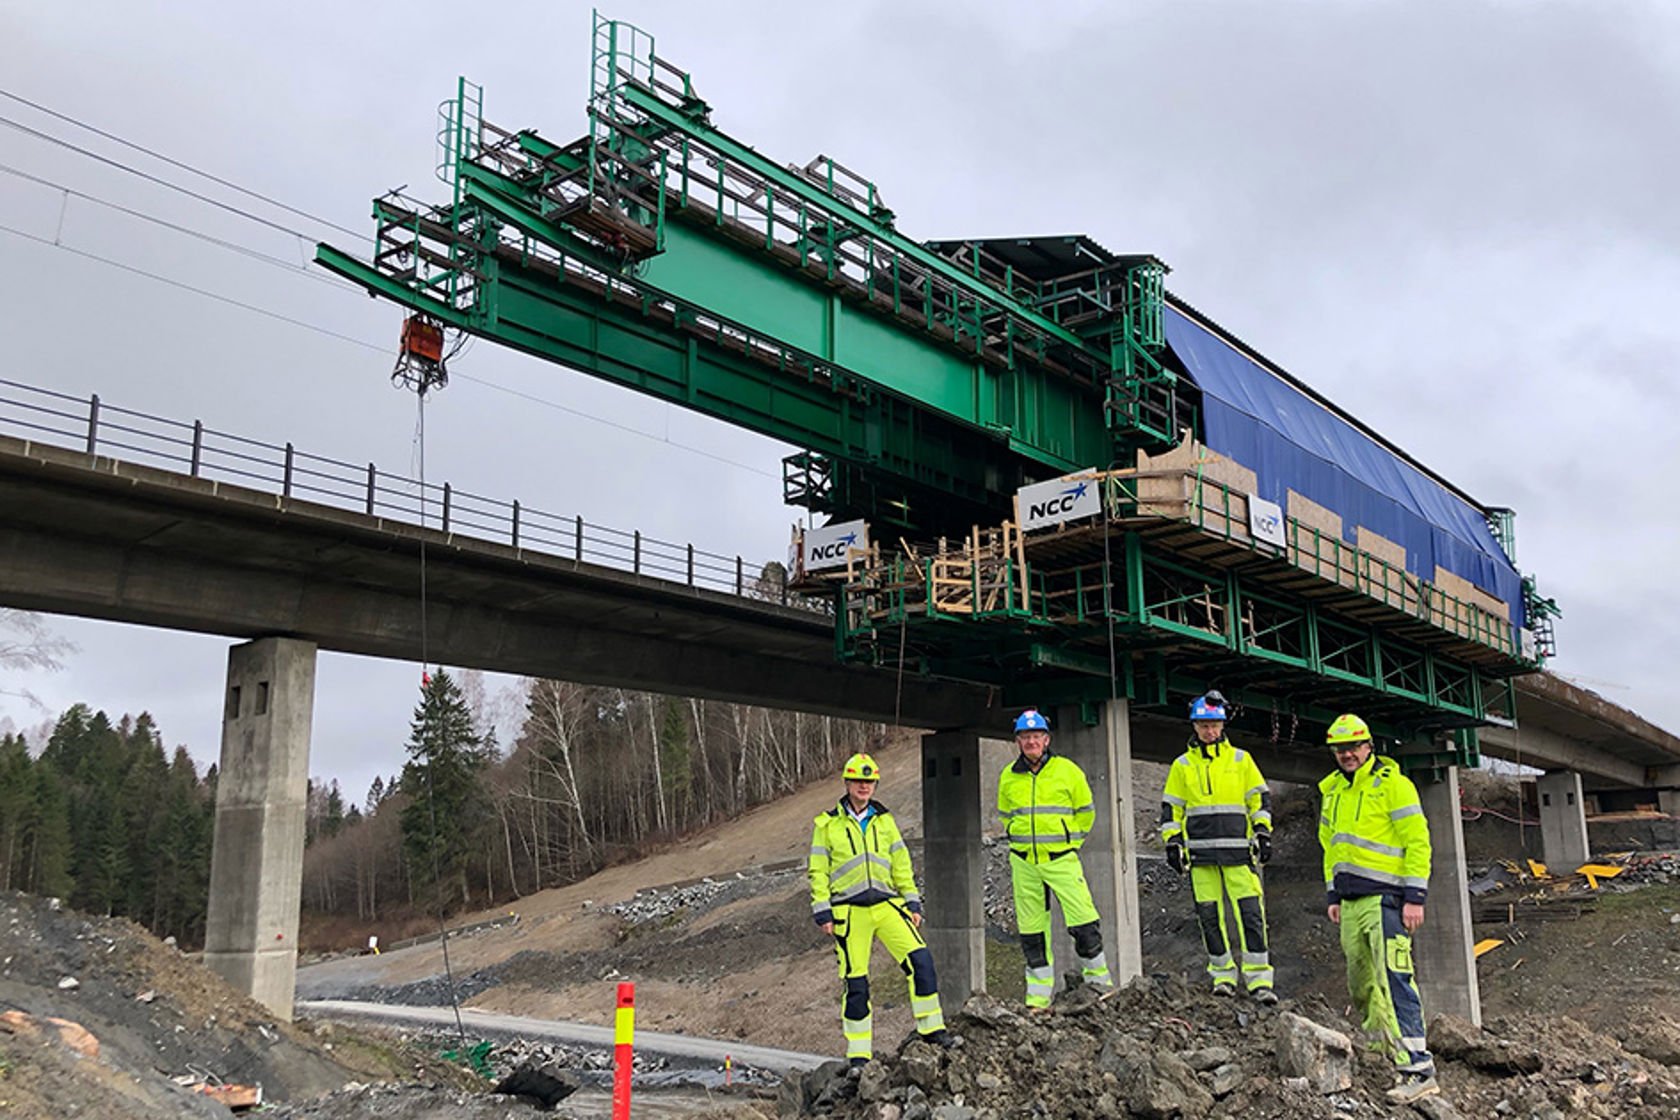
(1262, 847)
(1175, 855)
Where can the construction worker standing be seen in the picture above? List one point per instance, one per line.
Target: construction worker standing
(1047, 812)
(862, 887)
(1216, 820)
(1376, 873)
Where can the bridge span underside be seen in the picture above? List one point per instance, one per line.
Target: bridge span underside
(100, 538)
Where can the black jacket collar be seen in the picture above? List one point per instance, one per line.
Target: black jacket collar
(1022, 766)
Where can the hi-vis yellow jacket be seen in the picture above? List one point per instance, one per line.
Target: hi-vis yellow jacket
(1215, 800)
(1048, 814)
(1375, 837)
(859, 866)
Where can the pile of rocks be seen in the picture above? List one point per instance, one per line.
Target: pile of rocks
(662, 904)
(1649, 867)
(1159, 1049)
(433, 991)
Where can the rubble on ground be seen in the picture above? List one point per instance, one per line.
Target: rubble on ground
(1159, 1049)
(658, 904)
(153, 1011)
(1650, 867)
(593, 1065)
(100, 1018)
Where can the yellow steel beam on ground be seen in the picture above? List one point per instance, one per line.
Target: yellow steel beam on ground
(1487, 945)
(1596, 871)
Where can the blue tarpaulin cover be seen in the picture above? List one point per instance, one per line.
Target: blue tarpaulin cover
(1293, 442)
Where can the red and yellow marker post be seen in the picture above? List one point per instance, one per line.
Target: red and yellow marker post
(624, 1045)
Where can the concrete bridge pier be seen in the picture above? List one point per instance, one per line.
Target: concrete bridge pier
(1104, 752)
(953, 864)
(1443, 948)
(256, 865)
(1563, 821)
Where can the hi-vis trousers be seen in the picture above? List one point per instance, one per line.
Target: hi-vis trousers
(855, 930)
(1034, 883)
(1382, 981)
(1211, 883)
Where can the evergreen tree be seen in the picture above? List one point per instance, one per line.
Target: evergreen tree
(142, 793)
(333, 819)
(47, 848)
(444, 779)
(17, 803)
(183, 860)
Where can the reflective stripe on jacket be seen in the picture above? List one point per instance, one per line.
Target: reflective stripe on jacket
(1045, 814)
(1374, 835)
(1216, 800)
(853, 866)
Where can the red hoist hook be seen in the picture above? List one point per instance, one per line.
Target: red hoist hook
(420, 355)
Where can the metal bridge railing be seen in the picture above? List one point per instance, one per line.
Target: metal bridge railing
(99, 428)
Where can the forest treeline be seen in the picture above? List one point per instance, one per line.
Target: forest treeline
(101, 815)
(592, 777)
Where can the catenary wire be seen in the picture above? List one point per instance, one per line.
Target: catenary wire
(219, 242)
(150, 178)
(257, 255)
(68, 119)
(205, 292)
(530, 398)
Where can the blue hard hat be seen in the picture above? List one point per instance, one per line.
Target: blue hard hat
(1031, 720)
(1208, 707)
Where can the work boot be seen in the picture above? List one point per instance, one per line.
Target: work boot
(1265, 997)
(1225, 991)
(1414, 1087)
(944, 1039)
(854, 1068)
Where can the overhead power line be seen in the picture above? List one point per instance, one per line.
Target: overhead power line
(150, 178)
(205, 292)
(171, 161)
(219, 242)
(254, 254)
(318, 329)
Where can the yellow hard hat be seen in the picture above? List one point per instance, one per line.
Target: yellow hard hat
(861, 768)
(1347, 729)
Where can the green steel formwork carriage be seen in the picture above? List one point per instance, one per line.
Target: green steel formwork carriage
(927, 384)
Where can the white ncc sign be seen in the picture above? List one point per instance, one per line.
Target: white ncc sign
(1059, 500)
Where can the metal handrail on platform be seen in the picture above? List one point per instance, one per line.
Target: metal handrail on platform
(97, 427)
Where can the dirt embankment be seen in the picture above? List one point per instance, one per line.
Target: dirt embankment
(150, 1014)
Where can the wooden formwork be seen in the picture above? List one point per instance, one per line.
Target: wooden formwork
(975, 579)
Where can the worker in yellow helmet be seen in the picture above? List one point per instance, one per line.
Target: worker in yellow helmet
(1216, 820)
(1376, 875)
(1047, 809)
(862, 887)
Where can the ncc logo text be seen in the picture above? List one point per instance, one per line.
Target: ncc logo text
(1061, 503)
(834, 549)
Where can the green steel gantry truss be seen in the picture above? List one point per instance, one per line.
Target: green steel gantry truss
(925, 382)
(659, 252)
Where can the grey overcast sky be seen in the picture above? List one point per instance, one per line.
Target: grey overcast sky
(1456, 219)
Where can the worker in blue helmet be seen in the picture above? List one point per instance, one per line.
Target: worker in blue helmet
(1216, 821)
(1047, 810)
